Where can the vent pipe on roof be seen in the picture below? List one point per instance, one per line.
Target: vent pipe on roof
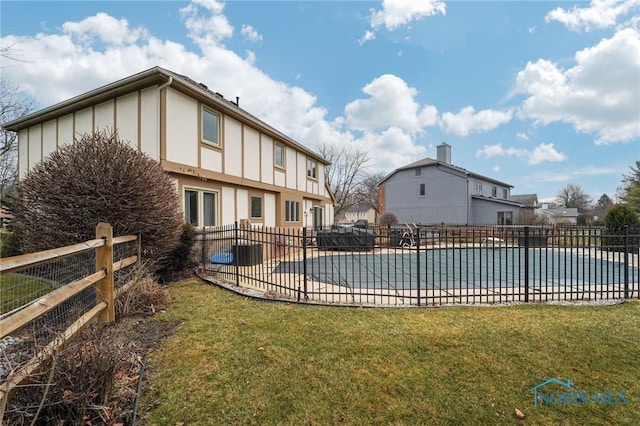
(237, 101)
(444, 153)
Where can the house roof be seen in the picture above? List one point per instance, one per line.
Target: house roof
(561, 212)
(148, 78)
(497, 200)
(428, 162)
(529, 200)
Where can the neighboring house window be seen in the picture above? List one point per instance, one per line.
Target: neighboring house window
(312, 169)
(423, 190)
(279, 155)
(256, 207)
(210, 126)
(292, 211)
(505, 194)
(418, 171)
(200, 208)
(478, 187)
(505, 218)
(494, 191)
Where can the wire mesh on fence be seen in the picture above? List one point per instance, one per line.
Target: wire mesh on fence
(434, 265)
(26, 286)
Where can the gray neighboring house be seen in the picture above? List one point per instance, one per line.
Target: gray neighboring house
(435, 191)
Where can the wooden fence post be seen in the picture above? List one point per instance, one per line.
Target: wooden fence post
(104, 261)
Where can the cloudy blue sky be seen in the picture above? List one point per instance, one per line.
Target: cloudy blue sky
(537, 94)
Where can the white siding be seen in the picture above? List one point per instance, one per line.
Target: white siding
(242, 200)
(104, 116)
(232, 147)
(302, 173)
(211, 159)
(23, 153)
(291, 168)
(150, 119)
(49, 137)
(35, 145)
(228, 206)
(182, 129)
(280, 178)
(251, 154)
(84, 121)
(267, 159)
(269, 210)
(127, 118)
(321, 180)
(65, 130)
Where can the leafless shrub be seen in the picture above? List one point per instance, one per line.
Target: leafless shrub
(143, 296)
(92, 381)
(98, 178)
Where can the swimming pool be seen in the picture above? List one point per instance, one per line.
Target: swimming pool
(470, 268)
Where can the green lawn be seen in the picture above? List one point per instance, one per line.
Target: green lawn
(17, 290)
(240, 361)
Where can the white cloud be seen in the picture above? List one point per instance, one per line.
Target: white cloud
(206, 29)
(250, 33)
(600, 95)
(600, 14)
(106, 28)
(541, 153)
(522, 135)
(391, 103)
(397, 13)
(496, 169)
(469, 121)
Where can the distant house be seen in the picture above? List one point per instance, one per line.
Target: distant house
(5, 216)
(435, 191)
(557, 215)
(355, 213)
(227, 164)
(528, 201)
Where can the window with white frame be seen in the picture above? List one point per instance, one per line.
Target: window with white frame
(478, 189)
(256, 207)
(505, 193)
(292, 211)
(312, 169)
(201, 207)
(210, 126)
(494, 191)
(278, 155)
(505, 218)
(418, 171)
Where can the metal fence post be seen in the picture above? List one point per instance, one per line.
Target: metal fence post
(304, 260)
(526, 264)
(418, 261)
(626, 261)
(104, 261)
(236, 251)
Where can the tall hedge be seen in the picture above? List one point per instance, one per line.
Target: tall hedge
(616, 220)
(98, 178)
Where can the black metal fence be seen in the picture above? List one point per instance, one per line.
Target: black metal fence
(431, 265)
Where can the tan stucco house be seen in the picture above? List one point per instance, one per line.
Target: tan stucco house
(227, 164)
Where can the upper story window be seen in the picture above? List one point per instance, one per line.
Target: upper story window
(312, 169)
(418, 171)
(478, 189)
(494, 191)
(278, 155)
(210, 126)
(505, 193)
(423, 190)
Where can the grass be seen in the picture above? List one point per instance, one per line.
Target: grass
(240, 361)
(17, 290)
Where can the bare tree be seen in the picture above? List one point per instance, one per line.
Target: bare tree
(573, 196)
(367, 192)
(344, 174)
(13, 105)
